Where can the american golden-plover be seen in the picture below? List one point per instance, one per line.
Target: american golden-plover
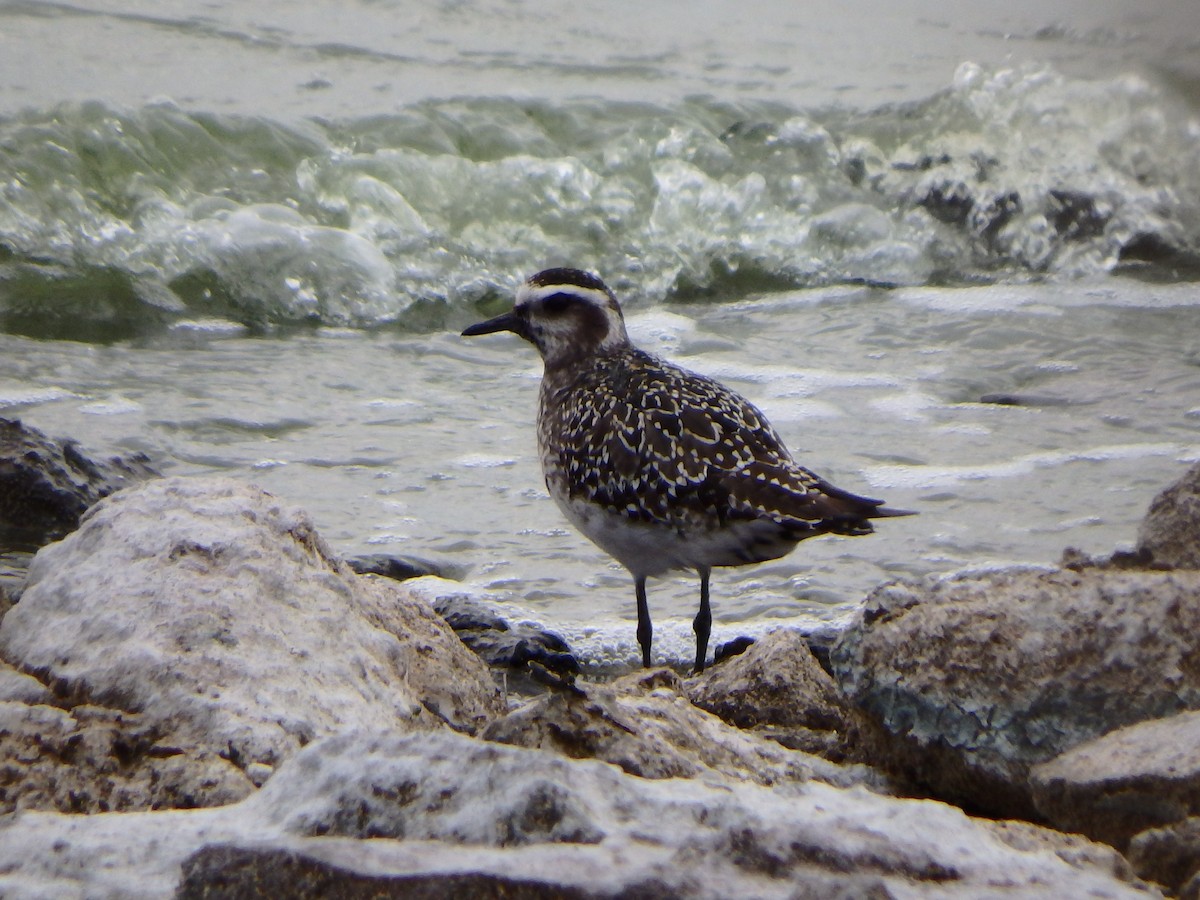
(662, 468)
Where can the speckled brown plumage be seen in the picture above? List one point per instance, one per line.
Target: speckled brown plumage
(662, 468)
(657, 444)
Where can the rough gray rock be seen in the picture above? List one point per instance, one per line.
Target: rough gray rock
(497, 641)
(1170, 856)
(326, 869)
(91, 759)
(778, 689)
(9, 593)
(17, 687)
(1074, 849)
(1170, 532)
(1129, 780)
(645, 724)
(448, 813)
(975, 679)
(45, 485)
(397, 568)
(220, 618)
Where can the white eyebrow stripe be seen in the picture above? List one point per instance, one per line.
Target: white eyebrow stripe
(529, 293)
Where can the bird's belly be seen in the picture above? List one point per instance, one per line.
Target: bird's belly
(648, 549)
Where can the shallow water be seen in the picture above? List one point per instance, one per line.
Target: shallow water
(423, 444)
(368, 57)
(244, 239)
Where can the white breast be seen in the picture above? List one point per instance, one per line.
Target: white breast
(647, 549)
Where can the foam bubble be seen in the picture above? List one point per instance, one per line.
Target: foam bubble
(20, 396)
(929, 477)
(114, 406)
(484, 461)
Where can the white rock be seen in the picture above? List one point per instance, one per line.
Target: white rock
(1126, 781)
(220, 616)
(976, 678)
(1170, 533)
(442, 805)
(20, 688)
(645, 724)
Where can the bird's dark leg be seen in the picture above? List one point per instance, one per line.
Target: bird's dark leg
(645, 631)
(702, 624)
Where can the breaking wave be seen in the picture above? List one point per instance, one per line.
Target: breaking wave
(114, 220)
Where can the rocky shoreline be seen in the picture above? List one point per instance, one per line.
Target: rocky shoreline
(199, 699)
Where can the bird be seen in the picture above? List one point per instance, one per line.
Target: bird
(663, 468)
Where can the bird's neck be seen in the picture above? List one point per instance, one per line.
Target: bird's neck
(568, 364)
(567, 373)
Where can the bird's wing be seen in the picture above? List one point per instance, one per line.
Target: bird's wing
(721, 448)
(659, 443)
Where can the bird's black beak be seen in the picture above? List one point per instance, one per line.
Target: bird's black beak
(509, 321)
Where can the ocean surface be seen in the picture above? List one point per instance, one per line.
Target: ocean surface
(951, 250)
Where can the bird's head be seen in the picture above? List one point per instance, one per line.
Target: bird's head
(569, 315)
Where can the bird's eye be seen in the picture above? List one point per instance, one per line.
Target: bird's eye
(557, 303)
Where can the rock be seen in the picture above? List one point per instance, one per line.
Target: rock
(1033, 400)
(91, 759)
(1127, 781)
(777, 688)
(645, 724)
(220, 618)
(45, 486)
(398, 568)
(324, 869)
(976, 678)
(17, 687)
(1159, 251)
(1170, 533)
(729, 649)
(1073, 849)
(7, 600)
(1170, 856)
(497, 641)
(443, 814)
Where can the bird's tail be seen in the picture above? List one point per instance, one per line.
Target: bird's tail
(887, 512)
(857, 506)
(851, 513)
